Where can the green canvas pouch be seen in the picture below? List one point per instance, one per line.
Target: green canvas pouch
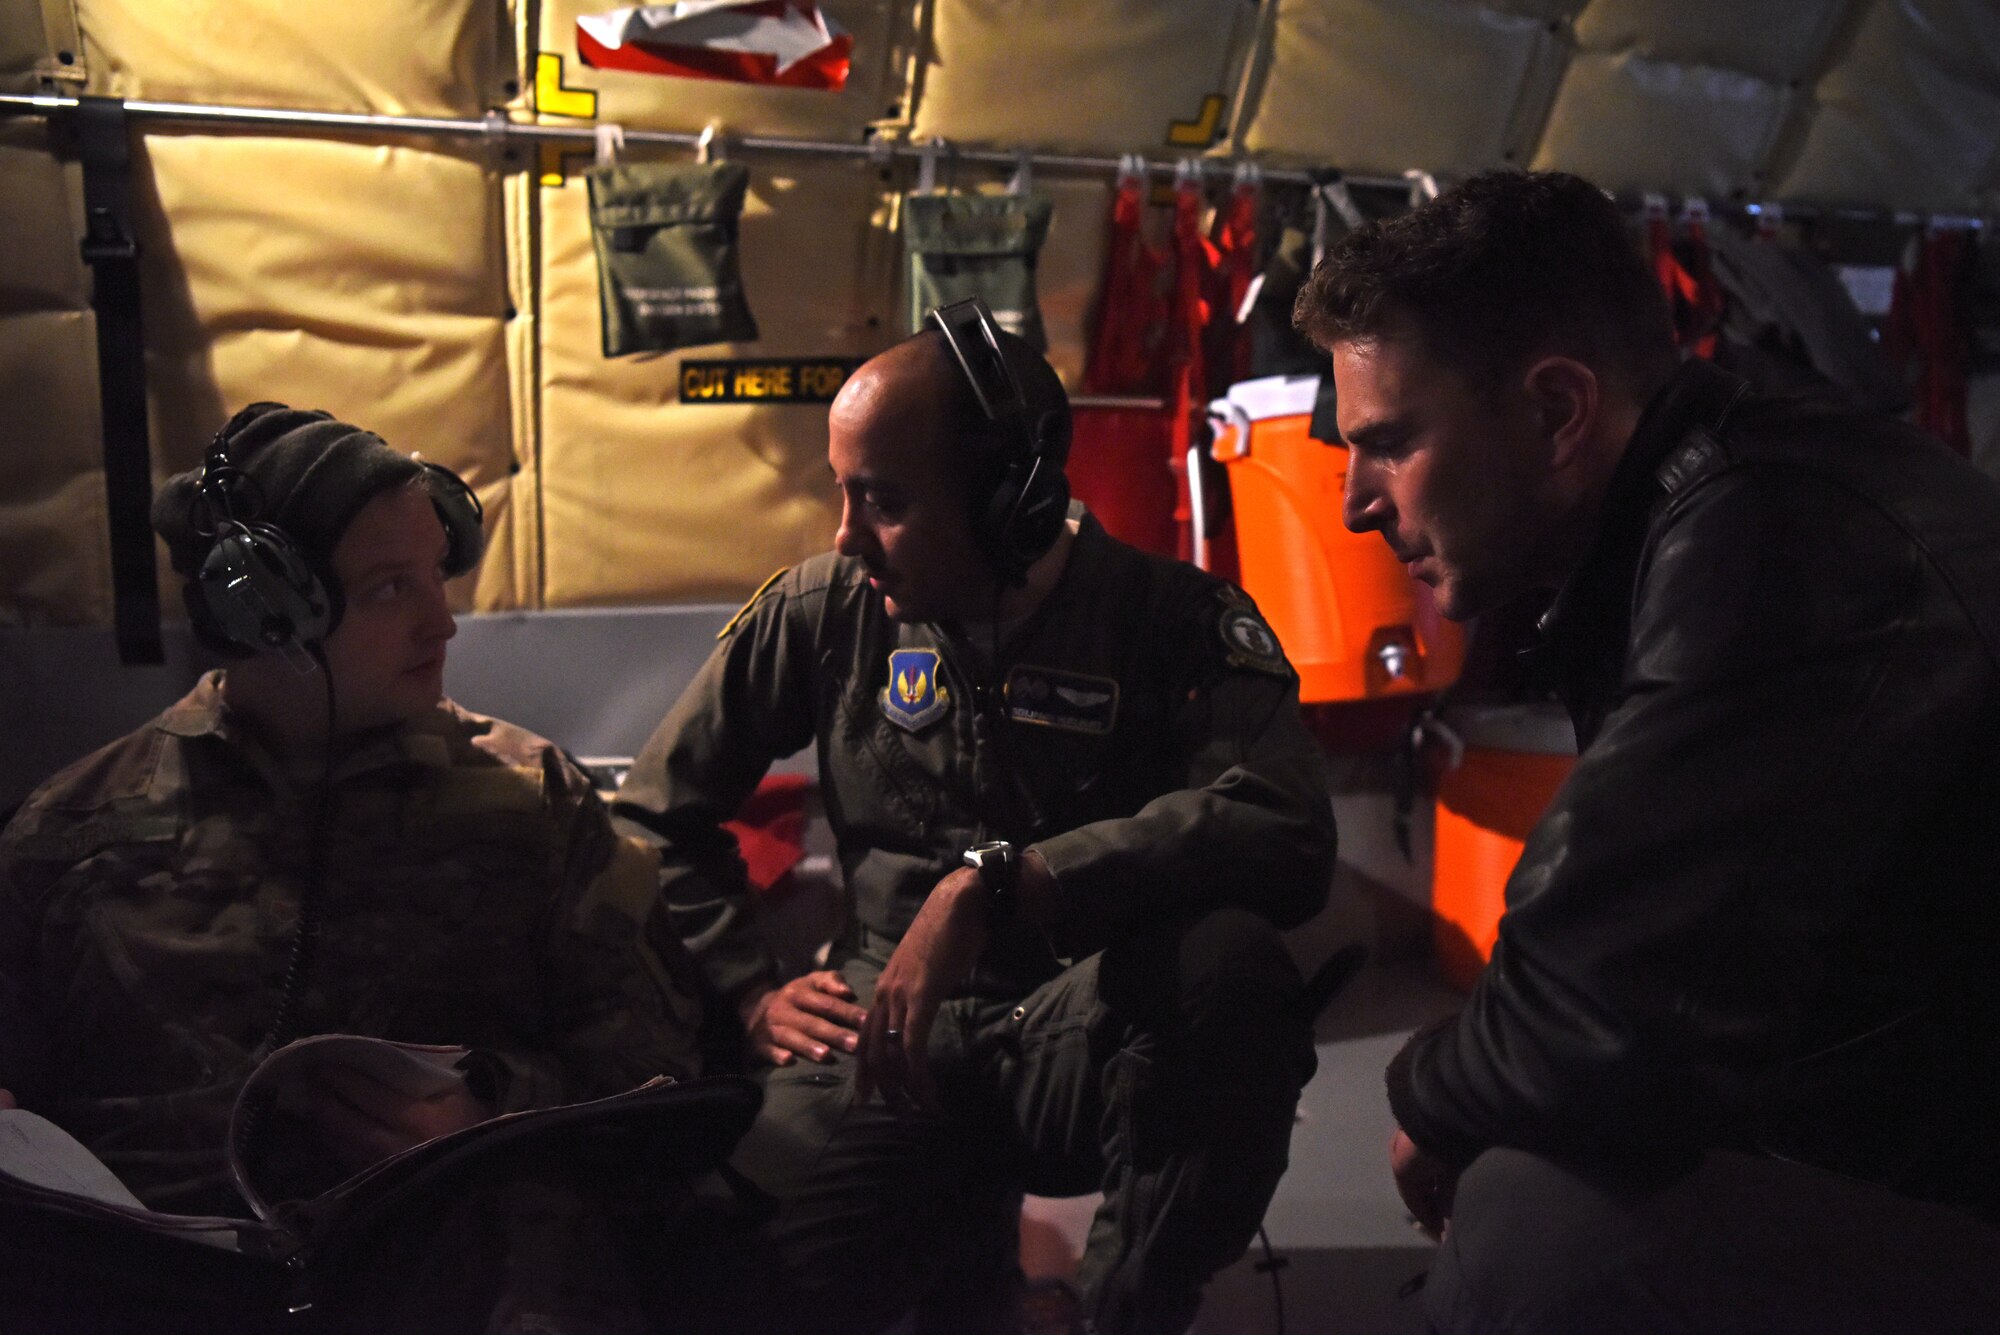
(667, 272)
(978, 246)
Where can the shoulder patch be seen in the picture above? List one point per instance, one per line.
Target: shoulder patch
(751, 602)
(1246, 641)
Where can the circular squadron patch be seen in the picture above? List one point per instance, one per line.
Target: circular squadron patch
(1249, 643)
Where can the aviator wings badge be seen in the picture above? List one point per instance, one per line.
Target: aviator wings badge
(914, 697)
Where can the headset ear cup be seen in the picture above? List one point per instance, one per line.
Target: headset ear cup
(1026, 506)
(1040, 512)
(1052, 437)
(261, 593)
(464, 519)
(996, 525)
(201, 620)
(1024, 516)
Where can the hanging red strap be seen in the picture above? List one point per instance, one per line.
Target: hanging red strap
(1195, 259)
(1132, 312)
(1118, 461)
(1694, 295)
(1235, 240)
(1660, 245)
(1227, 349)
(1704, 293)
(1924, 326)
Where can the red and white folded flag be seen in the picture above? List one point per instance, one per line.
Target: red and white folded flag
(773, 42)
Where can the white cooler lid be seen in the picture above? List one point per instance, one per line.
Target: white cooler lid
(1268, 396)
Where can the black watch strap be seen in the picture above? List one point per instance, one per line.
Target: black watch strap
(999, 866)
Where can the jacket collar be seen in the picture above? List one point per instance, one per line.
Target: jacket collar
(1675, 443)
(1088, 550)
(201, 712)
(423, 742)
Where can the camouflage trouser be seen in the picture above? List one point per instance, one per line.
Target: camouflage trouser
(1163, 1072)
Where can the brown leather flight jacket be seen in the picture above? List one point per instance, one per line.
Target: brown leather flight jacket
(1764, 912)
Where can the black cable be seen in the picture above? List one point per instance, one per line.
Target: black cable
(994, 682)
(305, 933)
(291, 995)
(1272, 1264)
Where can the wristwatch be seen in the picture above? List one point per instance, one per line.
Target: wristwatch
(999, 866)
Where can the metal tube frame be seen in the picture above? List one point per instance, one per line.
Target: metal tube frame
(496, 127)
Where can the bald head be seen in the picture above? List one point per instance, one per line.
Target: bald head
(917, 387)
(908, 390)
(918, 463)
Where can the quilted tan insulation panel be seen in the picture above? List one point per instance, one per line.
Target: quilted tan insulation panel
(444, 292)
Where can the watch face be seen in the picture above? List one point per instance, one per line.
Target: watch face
(997, 851)
(998, 865)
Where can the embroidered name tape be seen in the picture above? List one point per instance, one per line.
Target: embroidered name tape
(1052, 698)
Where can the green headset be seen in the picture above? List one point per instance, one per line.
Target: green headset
(258, 591)
(1020, 504)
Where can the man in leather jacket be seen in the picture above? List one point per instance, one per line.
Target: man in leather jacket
(1733, 1062)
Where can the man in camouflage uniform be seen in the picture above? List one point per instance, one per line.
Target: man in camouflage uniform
(460, 880)
(1118, 1014)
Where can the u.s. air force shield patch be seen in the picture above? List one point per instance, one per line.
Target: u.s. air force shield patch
(914, 697)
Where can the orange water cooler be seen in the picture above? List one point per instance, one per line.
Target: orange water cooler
(1353, 622)
(1504, 765)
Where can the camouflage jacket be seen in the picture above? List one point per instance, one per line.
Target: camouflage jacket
(1141, 731)
(474, 893)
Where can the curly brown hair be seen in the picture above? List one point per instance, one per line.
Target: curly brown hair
(1504, 267)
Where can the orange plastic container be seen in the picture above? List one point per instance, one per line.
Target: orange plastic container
(1514, 760)
(1353, 622)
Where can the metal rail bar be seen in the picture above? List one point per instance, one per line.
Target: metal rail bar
(496, 127)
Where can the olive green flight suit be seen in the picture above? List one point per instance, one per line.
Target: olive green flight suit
(1140, 730)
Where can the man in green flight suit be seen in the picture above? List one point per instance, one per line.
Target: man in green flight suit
(1074, 804)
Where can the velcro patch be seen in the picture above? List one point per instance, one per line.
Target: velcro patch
(914, 697)
(1247, 642)
(1052, 698)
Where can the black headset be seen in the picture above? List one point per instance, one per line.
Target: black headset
(258, 590)
(1021, 511)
